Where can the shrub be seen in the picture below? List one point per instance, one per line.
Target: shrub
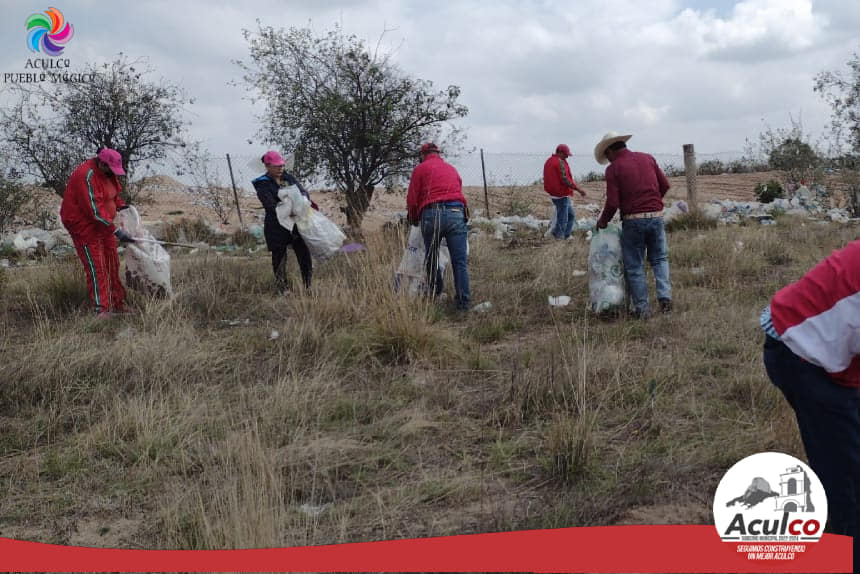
(188, 230)
(767, 192)
(694, 219)
(244, 238)
(672, 170)
(12, 197)
(593, 176)
(711, 167)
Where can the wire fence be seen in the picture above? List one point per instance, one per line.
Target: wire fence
(501, 169)
(211, 180)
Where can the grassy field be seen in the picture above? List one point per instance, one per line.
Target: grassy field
(372, 417)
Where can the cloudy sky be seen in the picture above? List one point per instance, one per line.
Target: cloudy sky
(532, 73)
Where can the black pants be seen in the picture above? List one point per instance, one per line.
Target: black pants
(279, 262)
(828, 416)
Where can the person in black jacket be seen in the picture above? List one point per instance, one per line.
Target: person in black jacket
(277, 237)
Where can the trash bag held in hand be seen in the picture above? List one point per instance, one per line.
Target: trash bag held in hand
(147, 264)
(322, 236)
(606, 287)
(411, 275)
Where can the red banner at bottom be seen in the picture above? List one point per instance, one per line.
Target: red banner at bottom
(596, 549)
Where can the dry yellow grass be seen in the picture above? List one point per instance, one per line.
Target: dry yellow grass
(374, 417)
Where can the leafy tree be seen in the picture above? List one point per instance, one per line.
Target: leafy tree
(842, 91)
(787, 150)
(52, 128)
(348, 114)
(12, 198)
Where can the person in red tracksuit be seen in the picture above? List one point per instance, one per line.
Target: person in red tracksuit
(88, 210)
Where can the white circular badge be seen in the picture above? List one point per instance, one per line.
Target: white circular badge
(770, 497)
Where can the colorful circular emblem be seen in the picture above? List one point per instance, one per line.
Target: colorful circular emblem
(48, 32)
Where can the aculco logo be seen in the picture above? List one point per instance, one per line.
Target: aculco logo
(770, 505)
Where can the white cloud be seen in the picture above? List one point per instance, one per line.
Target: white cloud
(533, 73)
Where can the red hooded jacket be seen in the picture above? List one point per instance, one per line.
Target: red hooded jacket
(90, 201)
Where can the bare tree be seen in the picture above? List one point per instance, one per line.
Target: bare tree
(51, 129)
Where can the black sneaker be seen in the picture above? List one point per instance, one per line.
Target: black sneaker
(665, 305)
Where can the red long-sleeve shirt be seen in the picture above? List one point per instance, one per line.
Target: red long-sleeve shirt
(557, 179)
(90, 200)
(818, 317)
(432, 180)
(634, 183)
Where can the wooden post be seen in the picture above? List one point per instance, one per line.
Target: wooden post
(486, 197)
(235, 194)
(690, 168)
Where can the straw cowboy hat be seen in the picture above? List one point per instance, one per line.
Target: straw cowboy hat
(609, 139)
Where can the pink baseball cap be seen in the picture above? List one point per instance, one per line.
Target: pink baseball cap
(430, 148)
(113, 159)
(563, 149)
(273, 158)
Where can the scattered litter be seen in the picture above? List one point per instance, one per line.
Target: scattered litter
(274, 335)
(698, 270)
(559, 301)
(235, 322)
(411, 275)
(739, 245)
(482, 307)
(126, 333)
(314, 510)
(606, 276)
(4, 263)
(352, 247)
(578, 273)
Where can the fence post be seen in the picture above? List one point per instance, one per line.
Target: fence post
(486, 197)
(235, 194)
(690, 168)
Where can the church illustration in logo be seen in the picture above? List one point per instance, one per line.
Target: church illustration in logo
(794, 491)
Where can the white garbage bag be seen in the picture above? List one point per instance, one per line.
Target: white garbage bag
(31, 238)
(606, 271)
(322, 236)
(147, 264)
(411, 275)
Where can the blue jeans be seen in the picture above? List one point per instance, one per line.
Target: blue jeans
(638, 237)
(828, 416)
(564, 217)
(447, 222)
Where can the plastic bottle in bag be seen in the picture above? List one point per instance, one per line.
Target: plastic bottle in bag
(606, 286)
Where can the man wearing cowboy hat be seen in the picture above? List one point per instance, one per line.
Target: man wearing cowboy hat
(559, 184)
(635, 184)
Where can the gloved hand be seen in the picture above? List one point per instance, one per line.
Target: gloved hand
(123, 236)
(314, 205)
(413, 222)
(601, 225)
(126, 206)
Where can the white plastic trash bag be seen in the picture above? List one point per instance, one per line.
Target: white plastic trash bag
(147, 263)
(606, 271)
(322, 236)
(411, 275)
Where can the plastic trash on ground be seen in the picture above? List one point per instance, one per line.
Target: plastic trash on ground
(483, 307)
(605, 271)
(411, 275)
(322, 236)
(559, 301)
(147, 264)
